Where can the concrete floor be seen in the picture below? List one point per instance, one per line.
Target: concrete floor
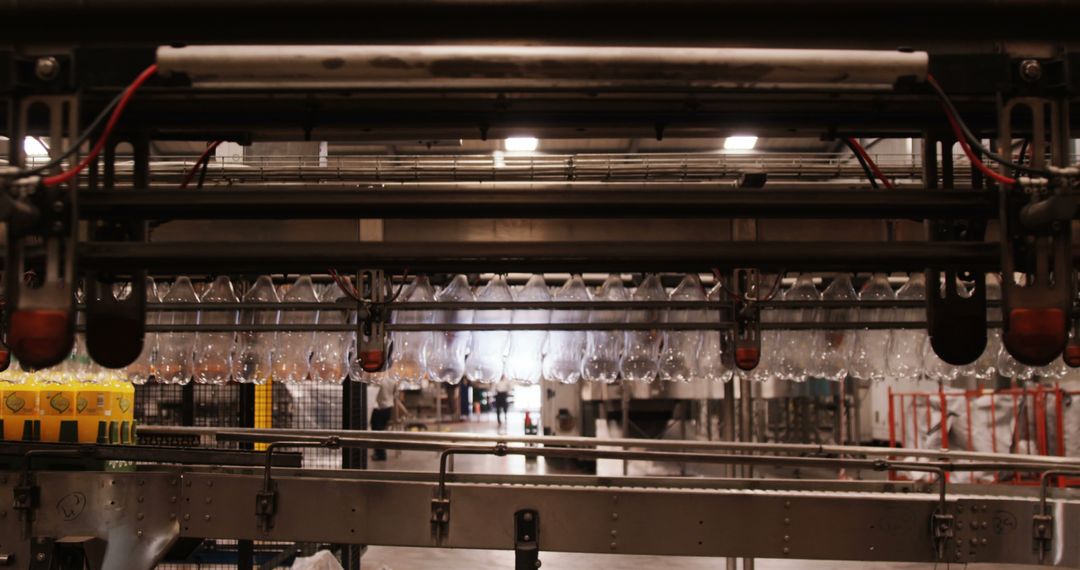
(398, 558)
(393, 558)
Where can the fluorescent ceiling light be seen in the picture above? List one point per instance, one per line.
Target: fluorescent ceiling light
(33, 146)
(740, 142)
(522, 144)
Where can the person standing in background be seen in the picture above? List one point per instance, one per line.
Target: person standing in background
(502, 400)
(465, 399)
(383, 411)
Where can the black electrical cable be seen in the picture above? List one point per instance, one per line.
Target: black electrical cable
(1023, 153)
(104, 114)
(862, 161)
(971, 138)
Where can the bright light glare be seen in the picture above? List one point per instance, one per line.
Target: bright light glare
(740, 142)
(499, 159)
(33, 147)
(522, 144)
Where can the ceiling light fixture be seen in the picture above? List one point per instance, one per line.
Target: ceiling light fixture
(521, 144)
(740, 142)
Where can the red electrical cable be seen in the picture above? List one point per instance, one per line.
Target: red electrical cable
(205, 156)
(959, 134)
(100, 144)
(870, 162)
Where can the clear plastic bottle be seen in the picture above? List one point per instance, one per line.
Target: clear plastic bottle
(525, 355)
(252, 362)
(175, 365)
(641, 353)
(446, 359)
(871, 346)
(800, 347)
(907, 346)
(291, 358)
(679, 359)
(410, 349)
(834, 352)
(145, 366)
(985, 367)
(769, 367)
(565, 349)
(329, 356)
(487, 350)
(213, 350)
(711, 362)
(603, 349)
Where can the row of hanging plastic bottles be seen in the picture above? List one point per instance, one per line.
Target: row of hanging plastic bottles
(527, 356)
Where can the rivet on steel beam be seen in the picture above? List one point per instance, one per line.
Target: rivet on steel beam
(613, 546)
(614, 533)
(206, 517)
(614, 516)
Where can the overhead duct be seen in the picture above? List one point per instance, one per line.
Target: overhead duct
(538, 67)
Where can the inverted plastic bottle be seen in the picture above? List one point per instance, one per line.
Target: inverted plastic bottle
(175, 365)
(565, 349)
(145, 366)
(446, 359)
(410, 349)
(769, 365)
(641, 351)
(213, 350)
(679, 359)
(254, 349)
(871, 347)
(329, 356)
(525, 355)
(800, 347)
(487, 349)
(711, 362)
(603, 349)
(907, 346)
(291, 358)
(834, 352)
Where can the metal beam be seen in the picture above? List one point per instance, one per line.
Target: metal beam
(534, 257)
(540, 200)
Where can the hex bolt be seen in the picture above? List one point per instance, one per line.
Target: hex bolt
(526, 537)
(209, 500)
(46, 68)
(613, 545)
(787, 538)
(187, 517)
(139, 534)
(974, 524)
(40, 557)
(206, 517)
(614, 533)
(985, 525)
(614, 516)
(983, 542)
(974, 541)
(527, 517)
(139, 516)
(1030, 70)
(787, 504)
(786, 551)
(139, 499)
(787, 521)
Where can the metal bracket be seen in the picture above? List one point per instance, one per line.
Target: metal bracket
(1042, 530)
(526, 539)
(371, 337)
(956, 323)
(266, 499)
(440, 518)
(747, 313)
(1036, 241)
(944, 526)
(41, 319)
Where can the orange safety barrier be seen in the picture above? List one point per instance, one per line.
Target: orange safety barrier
(1031, 430)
